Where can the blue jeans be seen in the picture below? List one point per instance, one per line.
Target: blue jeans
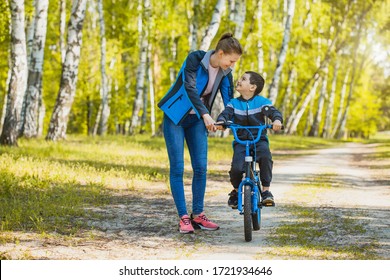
(195, 133)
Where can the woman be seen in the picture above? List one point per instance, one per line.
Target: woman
(187, 107)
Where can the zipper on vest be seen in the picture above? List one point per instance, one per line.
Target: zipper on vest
(174, 101)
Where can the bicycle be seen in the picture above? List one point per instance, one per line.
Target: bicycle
(249, 194)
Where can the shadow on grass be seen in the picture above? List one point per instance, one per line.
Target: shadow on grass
(330, 233)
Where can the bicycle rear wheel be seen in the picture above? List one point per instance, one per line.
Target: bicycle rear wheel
(248, 213)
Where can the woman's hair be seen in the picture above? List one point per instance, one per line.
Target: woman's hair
(228, 44)
(257, 80)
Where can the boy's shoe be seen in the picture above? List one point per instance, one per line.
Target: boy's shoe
(202, 222)
(185, 225)
(267, 199)
(233, 199)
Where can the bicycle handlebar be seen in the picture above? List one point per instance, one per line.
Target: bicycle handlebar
(234, 127)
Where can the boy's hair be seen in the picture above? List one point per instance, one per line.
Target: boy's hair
(228, 44)
(257, 80)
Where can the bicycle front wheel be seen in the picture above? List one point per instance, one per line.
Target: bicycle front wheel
(248, 212)
(256, 216)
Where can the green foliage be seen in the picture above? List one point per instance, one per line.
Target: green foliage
(168, 28)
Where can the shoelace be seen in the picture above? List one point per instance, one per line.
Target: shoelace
(186, 221)
(204, 218)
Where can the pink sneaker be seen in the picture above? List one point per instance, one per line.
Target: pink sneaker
(185, 225)
(203, 223)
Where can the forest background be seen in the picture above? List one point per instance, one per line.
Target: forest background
(99, 67)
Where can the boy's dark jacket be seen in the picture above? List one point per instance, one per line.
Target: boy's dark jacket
(191, 82)
(250, 112)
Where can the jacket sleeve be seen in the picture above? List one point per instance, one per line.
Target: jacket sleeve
(227, 114)
(273, 113)
(227, 89)
(190, 73)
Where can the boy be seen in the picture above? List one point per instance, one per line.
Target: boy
(250, 109)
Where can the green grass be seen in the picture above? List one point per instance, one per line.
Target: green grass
(322, 232)
(52, 187)
(325, 233)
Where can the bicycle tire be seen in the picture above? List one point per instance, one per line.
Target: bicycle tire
(256, 220)
(248, 213)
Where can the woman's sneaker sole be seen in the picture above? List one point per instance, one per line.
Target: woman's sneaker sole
(186, 231)
(199, 226)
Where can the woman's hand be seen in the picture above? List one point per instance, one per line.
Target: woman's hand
(209, 122)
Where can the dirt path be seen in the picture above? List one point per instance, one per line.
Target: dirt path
(333, 183)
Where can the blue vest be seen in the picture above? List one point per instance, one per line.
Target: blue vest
(176, 103)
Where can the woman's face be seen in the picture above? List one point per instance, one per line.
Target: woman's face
(227, 60)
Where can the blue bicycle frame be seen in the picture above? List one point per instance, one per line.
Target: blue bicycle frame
(251, 165)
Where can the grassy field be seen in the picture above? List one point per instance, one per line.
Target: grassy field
(53, 189)
(49, 187)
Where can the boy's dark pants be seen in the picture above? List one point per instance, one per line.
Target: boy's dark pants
(263, 158)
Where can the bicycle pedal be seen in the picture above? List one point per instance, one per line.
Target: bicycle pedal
(269, 204)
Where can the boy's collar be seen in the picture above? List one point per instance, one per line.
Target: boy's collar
(243, 99)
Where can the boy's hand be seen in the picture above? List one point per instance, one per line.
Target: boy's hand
(219, 126)
(276, 125)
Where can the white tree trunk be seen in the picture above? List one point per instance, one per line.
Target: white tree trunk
(341, 105)
(315, 129)
(18, 81)
(309, 118)
(213, 26)
(34, 84)
(144, 42)
(194, 26)
(359, 29)
(297, 114)
(237, 15)
(144, 118)
(329, 112)
(30, 29)
(152, 99)
(260, 50)
(287, 95)
(104, 83)
(60, 116)
(62, 29)
(4, 110)
(274, 87)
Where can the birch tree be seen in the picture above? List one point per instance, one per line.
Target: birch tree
(315, 129)
(341, 105)
(104, 83)
(213, 27)
(330, 109)
(297, 113)
(34, 84)
(359, 30)
(63, 105)
(260, 50)
(141, 71)
(274, 87)
(18, 80)
(237, 16)
(194, 25)
(62, 29)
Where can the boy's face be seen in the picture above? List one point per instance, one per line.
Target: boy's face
(244, 86)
